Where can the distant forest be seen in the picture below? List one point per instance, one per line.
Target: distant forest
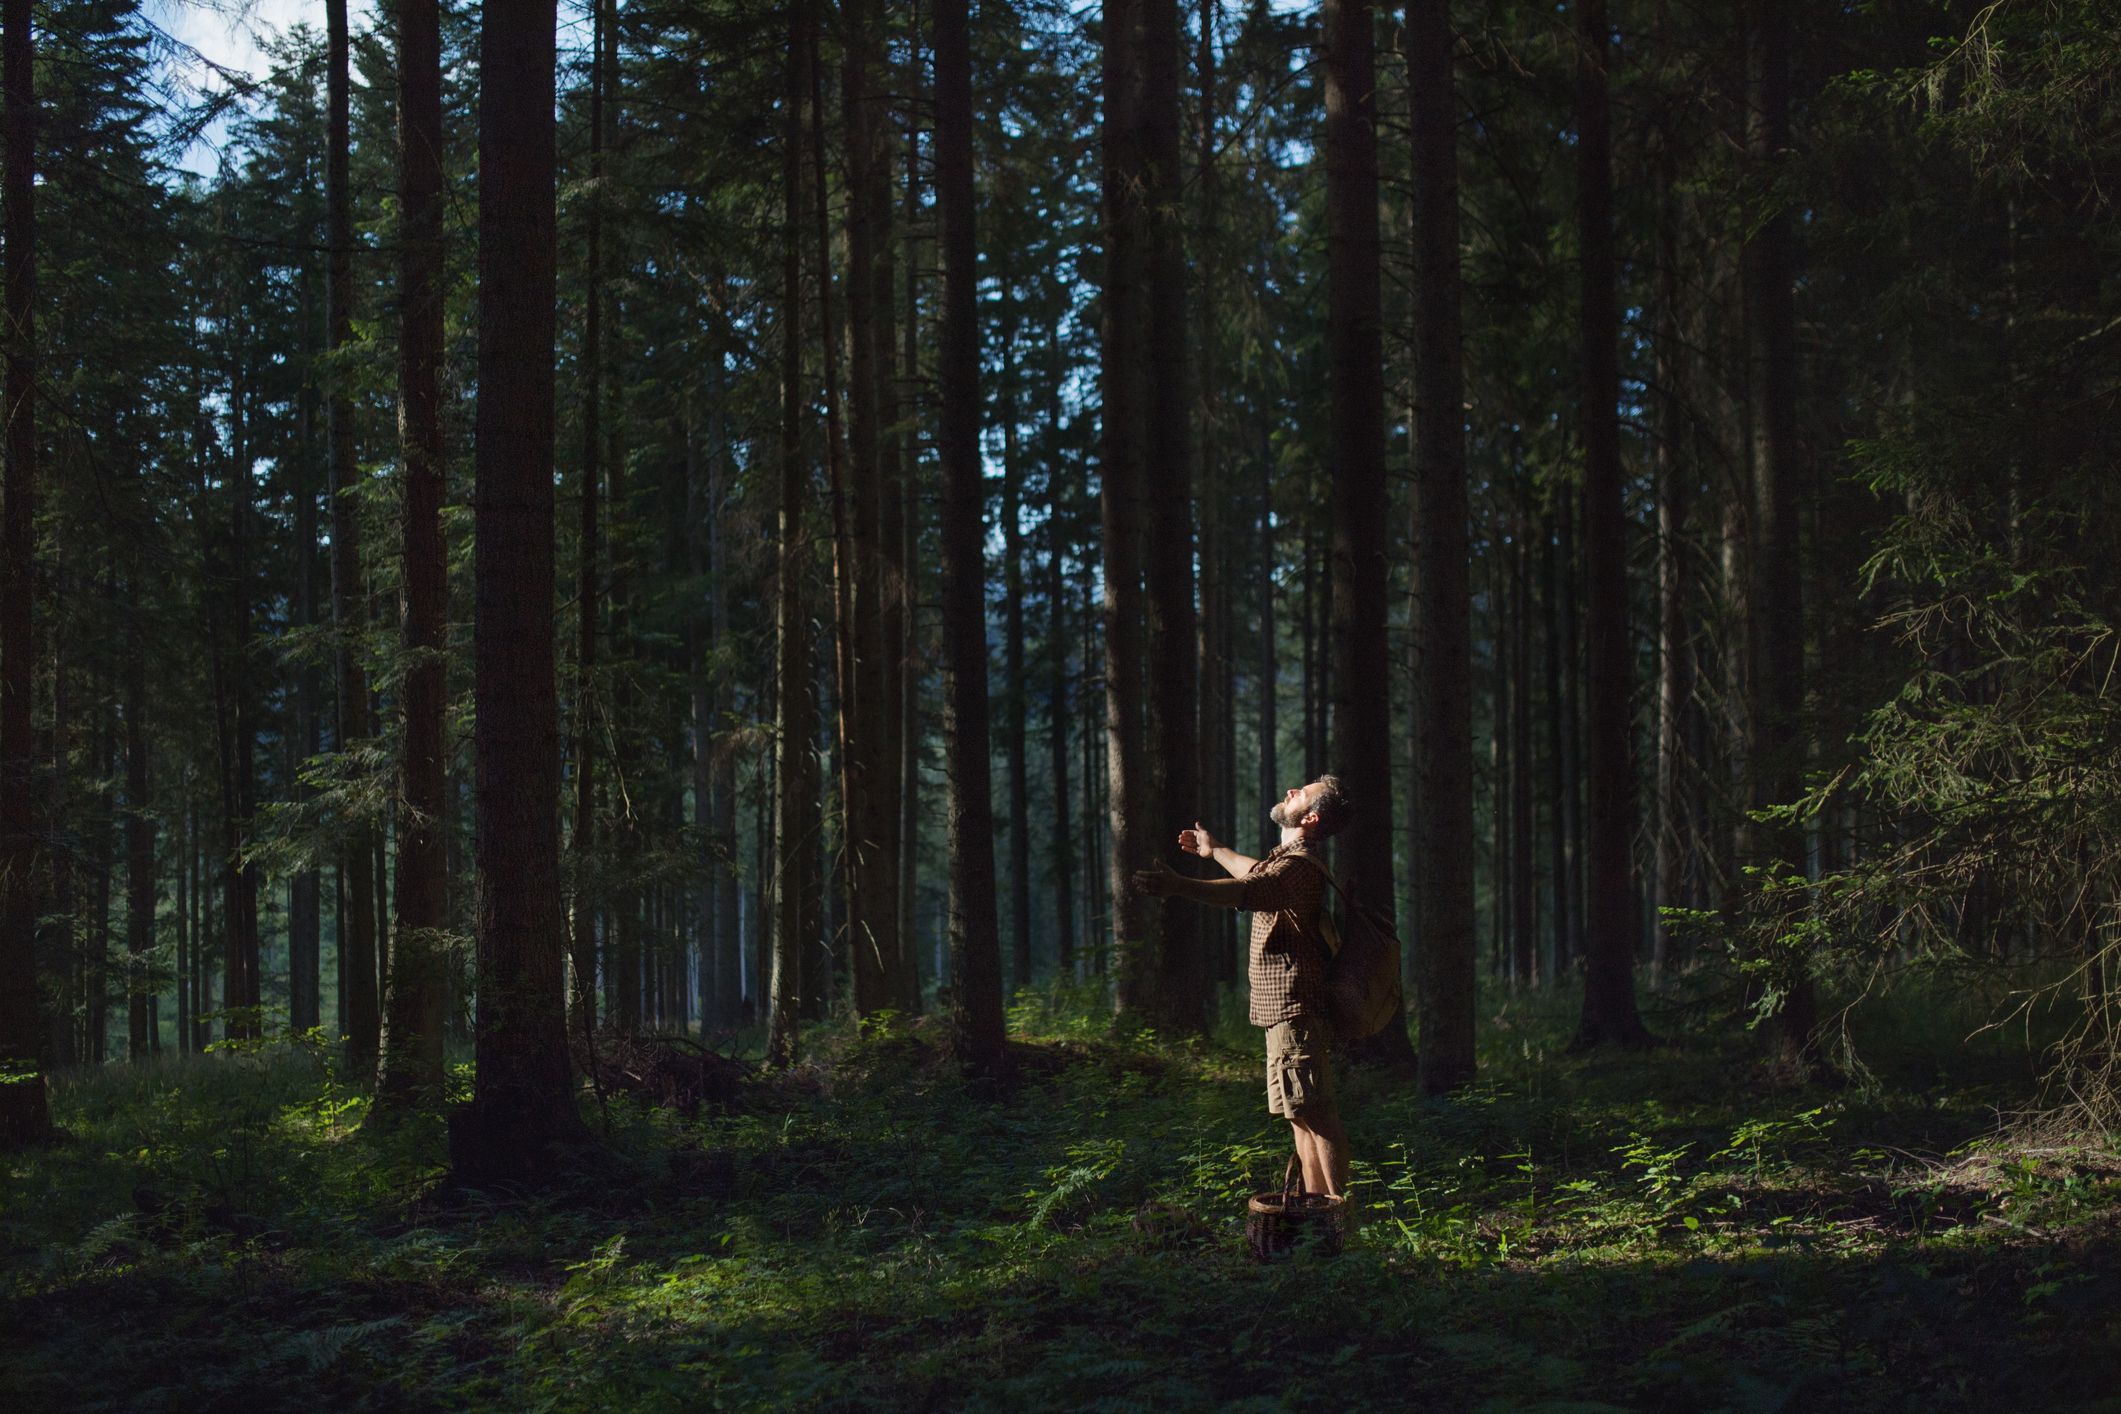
(758, 513)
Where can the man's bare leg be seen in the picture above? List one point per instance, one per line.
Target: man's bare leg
(1322, 1149)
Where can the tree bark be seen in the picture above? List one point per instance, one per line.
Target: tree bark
(877, 520)
(1610, 918)
(139, 851)
(1444, 989)
(795, 824)
(1179, 1001)
(589, 594)
(357, 935)
(1123, 378)
(975, 935)
(1779, 740)
(25, 1110)
(1015, 707)
(523, 1104)
(1060, 725)
(1674, 658)
(410, 1072)
(1361, 750)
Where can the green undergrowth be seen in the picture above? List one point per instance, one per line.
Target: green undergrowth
(1677, 1228)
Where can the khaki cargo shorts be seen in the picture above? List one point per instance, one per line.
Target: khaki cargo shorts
(1299, 1067)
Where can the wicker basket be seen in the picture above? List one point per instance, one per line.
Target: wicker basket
(1279, 1224)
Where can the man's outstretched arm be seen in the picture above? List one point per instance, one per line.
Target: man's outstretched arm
(1198, 841)
(1162, 882)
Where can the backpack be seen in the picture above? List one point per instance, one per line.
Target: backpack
(1362, 973)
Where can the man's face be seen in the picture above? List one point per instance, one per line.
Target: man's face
(1289, 811)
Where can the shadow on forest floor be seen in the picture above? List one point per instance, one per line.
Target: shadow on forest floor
(1676, 1229)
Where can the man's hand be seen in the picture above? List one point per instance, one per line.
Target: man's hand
(1155, 881)
(1198, 841)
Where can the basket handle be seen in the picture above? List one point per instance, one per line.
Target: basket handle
(1292, 1181)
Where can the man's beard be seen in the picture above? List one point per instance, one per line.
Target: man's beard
(1274, 813)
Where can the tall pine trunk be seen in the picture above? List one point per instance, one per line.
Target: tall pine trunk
(1123, 381)
(1610, 918)
(1779, 739)
(1674, 658)
(975, 941)
(1180, 995)
(795, 822)
(1361, 749)
(418, 999)
(357, 924)
(523, 1102)
(25, 1110)
(589, 594)
(139, 853)
(1015, 707)
(1444, 712)
(877, 521)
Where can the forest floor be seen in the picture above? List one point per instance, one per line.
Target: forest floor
(1680, 1228)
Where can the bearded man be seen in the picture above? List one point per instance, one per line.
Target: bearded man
(1285, 894)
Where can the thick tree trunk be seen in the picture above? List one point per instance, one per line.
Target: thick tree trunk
(795, 823)
(589, 594)
(1180, 998)
(849, 554)
(25, 1110)
(418, 1000)
(1217, 639)
(975, 940)
(1123, 382)
(357, 933)
(1610, 918)
(523, 1103)
(1444, 890)
(1779, 742)
(873, 448)
(1361, 750)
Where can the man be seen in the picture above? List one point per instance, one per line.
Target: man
(1285, 894)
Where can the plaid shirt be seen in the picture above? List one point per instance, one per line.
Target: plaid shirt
(1285, 894)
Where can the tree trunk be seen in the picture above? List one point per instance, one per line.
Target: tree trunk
(1180, 997)
(589, 594)
(1060, 724)
(873, 448)
(139, 851)
(239, 881)
(1674, 659)
(975, 941)
(901, 576)
(795, 824)
(1610, 918)
(1444, 989)
(1014, 704)
(357, 935)
(1779, 741)
(523, 1104)
(1360, 692)
(25, 1110)
(1524, 895)
(1123, 378)
(418, 1000)
(1217, 749)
